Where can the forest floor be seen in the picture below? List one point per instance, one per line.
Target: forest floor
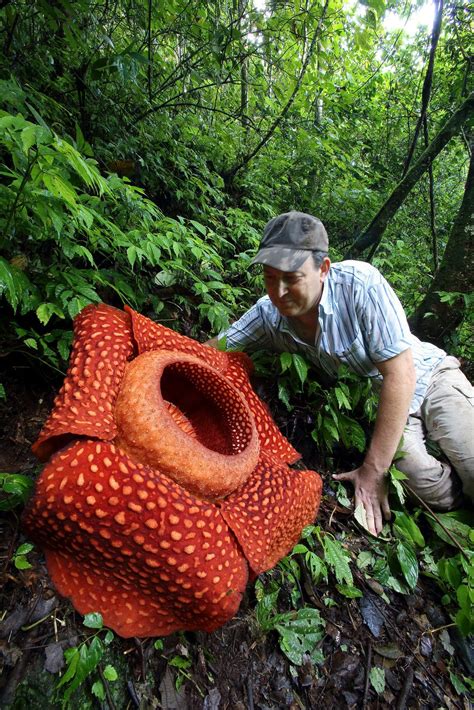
(410, 637)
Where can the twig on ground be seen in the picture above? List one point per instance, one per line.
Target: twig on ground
(431, 512)
(405, 691)
(250, 694)
(110, 701)
(139, 645)
(367, 674)
(133, 693)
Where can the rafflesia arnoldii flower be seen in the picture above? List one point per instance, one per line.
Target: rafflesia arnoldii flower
(167, 482)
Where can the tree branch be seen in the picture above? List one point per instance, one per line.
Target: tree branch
(230, 174)
(374, 232)
(426, 91)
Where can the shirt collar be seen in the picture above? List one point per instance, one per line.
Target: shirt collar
(325, 304)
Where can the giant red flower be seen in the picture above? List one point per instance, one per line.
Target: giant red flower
(166, 481)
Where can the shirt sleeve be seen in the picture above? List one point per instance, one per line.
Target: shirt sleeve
(384, 325)
(248, 333)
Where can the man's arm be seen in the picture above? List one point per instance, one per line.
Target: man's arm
(213, 342)
(398, 386)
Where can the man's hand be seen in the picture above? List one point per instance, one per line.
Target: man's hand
(370, 489)
(370, 485)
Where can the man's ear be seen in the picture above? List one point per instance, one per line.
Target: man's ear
(324, 268)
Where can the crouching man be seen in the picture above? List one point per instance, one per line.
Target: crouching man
(346, 313)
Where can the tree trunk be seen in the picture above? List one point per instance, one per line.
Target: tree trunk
(434, 318)
(372, 235)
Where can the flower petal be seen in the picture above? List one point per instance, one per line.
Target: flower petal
(149, 335)
(124, 540)
(84, 406)
(272, 441)
(268, 513)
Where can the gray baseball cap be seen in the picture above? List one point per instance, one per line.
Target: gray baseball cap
(289, 238)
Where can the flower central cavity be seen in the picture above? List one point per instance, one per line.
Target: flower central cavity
(213, 408)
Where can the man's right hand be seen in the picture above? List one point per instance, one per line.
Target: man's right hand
(370, 491)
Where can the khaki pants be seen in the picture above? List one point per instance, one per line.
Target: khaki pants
(446, 417)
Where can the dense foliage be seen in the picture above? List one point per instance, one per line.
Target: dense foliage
(143, 149)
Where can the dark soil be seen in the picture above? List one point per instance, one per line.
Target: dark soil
(236, 667)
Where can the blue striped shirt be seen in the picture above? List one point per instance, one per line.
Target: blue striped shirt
(361, 320)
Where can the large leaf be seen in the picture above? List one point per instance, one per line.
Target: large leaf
(406, 528)
(408, 563)
(301, 367)
(338, 559)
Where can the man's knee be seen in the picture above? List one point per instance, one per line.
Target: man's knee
(435, 482)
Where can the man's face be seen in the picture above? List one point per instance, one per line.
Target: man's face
(296, 293)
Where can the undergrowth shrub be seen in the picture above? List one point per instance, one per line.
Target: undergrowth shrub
(71, 236)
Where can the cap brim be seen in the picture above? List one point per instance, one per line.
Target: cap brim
(282, 258)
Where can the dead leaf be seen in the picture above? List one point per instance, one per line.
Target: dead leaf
(10, 653)
(370, 613)
(171, 699)
(390, 650)
(212, 700)
(54, 658)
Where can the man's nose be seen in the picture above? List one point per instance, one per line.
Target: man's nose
(282, 289)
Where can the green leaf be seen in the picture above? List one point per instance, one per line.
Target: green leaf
(93, 620)
(283, 395)
(349, 591)
(459, 530)
(364, 559)
(21, 562)
(316, 567)
(301, 367)
(265, 611)
(98, 690)
(338, 559)
(46, 310)
(180, 662)
(8, 283)
(395, 477)
(458, 684)
(28, 137)
(406, 528)
(17, 488)
(72, 659)
(300, 633)
(351, 432)
(24, 549)
(341, 496)
(60, 188)
(341, 398)
(3, 394)
(408, 563)
(110, 673)
(89, 656)
(132, 255)
(199, 227)
(377, 679)
(285, 361)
